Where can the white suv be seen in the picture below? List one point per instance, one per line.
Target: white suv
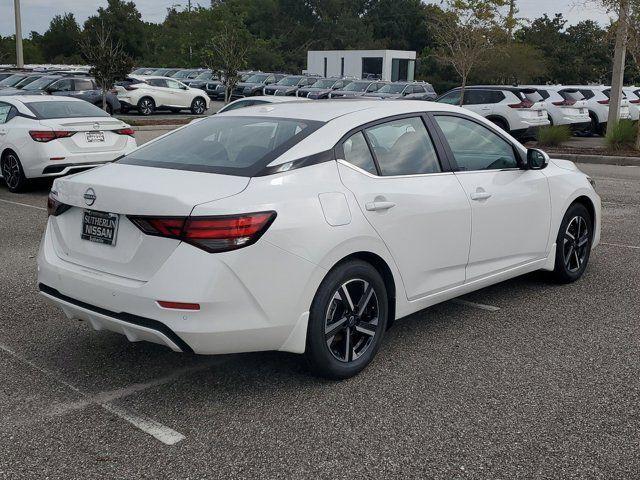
(633, 95)
(597, 97)
(507, 107)
(153, 93)
(565, 106)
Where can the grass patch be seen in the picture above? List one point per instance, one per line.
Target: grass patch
(622, 136)
(553, 135)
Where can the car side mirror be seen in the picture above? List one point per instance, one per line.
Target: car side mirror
(537, 159)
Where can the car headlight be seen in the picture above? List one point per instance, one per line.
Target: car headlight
(592, 182)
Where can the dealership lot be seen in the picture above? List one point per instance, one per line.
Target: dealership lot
(521, 380)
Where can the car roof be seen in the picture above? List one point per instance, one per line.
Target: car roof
(327, 110)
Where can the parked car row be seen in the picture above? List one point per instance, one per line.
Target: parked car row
(522, 110)
(76, 84)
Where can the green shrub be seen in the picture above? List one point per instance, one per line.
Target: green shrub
(622, 136)
(553, 135)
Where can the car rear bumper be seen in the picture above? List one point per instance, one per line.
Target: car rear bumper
(239, 310)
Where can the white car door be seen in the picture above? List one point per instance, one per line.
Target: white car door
(510, 206)
(180, 97)
(157, 88)
(478, 101)
(417, 207)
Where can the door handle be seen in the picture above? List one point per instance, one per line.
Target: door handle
(378, 206)
(480, 195)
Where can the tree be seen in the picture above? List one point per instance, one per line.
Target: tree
(466, 36)
(62, 38)
(108, 59)
(228, 54)
(124, 22)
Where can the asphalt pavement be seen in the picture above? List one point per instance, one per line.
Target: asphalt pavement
(544, 385)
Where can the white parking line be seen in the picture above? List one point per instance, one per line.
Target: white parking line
(22, 204)
(161, 432)
(620, 245)
(481, 306)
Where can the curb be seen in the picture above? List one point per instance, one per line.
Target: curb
(598, 159)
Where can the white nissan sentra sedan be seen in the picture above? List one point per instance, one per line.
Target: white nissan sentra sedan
(49, 136)
(309, 227)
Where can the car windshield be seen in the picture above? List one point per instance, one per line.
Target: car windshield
(289, 81)
(357, 86)
(12, 80)
(39, 84)
(204, 76)
(161, 71)
(27, 80)
(182, 74)
(138, 71)
(258, 78)
(325, 83)
(65, 109)
(235, 145)
(392, 88)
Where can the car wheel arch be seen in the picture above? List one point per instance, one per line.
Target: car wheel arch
(499, 119)
(381, 265)
(588, 204)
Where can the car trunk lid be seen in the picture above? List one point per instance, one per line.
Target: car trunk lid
(123, 190)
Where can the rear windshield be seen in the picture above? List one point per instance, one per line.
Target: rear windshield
(392, 88)
(12, 80)
(40, 83)
(258, 78)
(357, 86)
(225, 144)
(62, 109)
(290, 81)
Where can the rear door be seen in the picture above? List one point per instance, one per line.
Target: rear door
(416, 206)
(479, 101)
(510, 206)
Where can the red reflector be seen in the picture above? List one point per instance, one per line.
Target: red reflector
(604, 102)
(44, 136)
(565, 103)
(212, 234)
(635, 101)
(126, 131)
(56, 158)
(179, 305)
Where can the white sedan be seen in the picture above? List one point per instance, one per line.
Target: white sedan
(259, 100)
(43, 136)
(309, 227)
(149, 94)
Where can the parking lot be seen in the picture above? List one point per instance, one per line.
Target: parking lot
(524, 379)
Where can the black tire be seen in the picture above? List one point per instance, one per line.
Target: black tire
(124, 109)
(501, 123)
(594, 128)
(109, 109)
(573, 244)
(146, 106)
(550, 120)
(342, 341)
(12, 172)
(198, 106)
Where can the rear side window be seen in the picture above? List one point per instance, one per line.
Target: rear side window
(403, 147)
(157, 82)
(4, 112)
(83, 84)
(48, 110)
(544, 94)
(233, 145)
(451, 98)
(474, 146)
(587, 94)
(356, 152)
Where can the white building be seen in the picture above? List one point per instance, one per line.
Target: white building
(390, 65)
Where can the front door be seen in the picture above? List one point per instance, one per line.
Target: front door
(420, 212)
(510, 206)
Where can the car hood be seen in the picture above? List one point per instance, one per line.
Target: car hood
(15, 91)
(250, 85)
(347, 93)
(316, 90)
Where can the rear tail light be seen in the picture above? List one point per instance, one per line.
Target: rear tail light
(565, 103)
(130, 87)
(126, 131)
(604, 102)
(211, 234)
(522, 104)
(44, 136)
(55, 207)
(635, 101)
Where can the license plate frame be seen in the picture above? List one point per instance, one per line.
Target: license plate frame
(100, 227)
(95, 137)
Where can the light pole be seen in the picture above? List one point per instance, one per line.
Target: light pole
(19, 57)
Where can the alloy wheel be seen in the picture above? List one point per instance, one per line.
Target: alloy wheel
(351, 320)
(146, 107)
(198, 106)
(575, 244)
(11, 171)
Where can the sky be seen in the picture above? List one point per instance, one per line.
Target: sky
(36, 14)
